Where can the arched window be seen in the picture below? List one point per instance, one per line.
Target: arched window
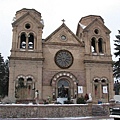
(23, 41)
(100, 49)
(93, 45)
(29, 84)
(21, 82)
(31, 41)
(96, 86)
(63, 82)
(29, 80)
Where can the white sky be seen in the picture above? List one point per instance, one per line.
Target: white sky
(53, 11)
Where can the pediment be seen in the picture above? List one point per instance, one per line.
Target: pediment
(27, 17)
(63, 35)
(97, 23)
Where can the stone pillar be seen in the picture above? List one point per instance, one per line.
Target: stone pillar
(11, 93)
(96, 45)
(26, 42)
(88, 80)
(111, 84)
(100, 90)
(14, 42)
(39, 40)
(18, 46)
(104, 50)
(39, 79)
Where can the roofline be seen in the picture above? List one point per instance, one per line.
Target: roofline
(91, 15)
(28, 13)
(63, 25)
(99, 22)
(29, 10)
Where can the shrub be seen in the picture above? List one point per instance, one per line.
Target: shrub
(81, 100)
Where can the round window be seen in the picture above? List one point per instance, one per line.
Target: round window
(63, 37)
(63, 59)
(96, 31)
(27, 26)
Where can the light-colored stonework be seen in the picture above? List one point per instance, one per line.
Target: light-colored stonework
(84, 59)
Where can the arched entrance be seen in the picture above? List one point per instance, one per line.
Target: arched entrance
(66, 85)
(68, 80)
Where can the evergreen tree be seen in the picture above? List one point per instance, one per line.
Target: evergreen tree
(4, 76)
(116, 67)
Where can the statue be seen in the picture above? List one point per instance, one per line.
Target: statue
(62, 92)
(116, 87)
(36, 96)
(90, 97)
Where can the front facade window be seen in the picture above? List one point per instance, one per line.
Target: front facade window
(27, 26)
(27, 41)
(23, 41)
(31, 41)
(63, 59)
(93, 45)
(97, 46)
(100, 43)
(63, 37)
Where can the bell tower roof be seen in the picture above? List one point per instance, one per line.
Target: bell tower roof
(23, 11)
(88, 19)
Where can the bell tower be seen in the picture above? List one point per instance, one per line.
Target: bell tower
(26, 57)
(98, 60)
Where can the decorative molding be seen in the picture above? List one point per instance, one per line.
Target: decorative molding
(63, 74)
(26, 58)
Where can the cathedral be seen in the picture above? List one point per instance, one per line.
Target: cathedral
(81, 61)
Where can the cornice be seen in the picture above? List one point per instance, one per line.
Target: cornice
(26, 58)
(95, 61)
(63, 44)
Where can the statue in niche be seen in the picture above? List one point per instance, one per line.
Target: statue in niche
(62, 91)
(116, 87)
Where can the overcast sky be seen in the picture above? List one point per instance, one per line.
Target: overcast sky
(53, 11)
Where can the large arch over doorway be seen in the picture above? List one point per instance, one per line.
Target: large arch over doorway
(66, 77)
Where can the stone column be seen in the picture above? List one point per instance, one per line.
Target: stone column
(18, 46)
(103, 45)
(14, 38)
(110, 84)
(100, 90)
(39, 40)
(26, 42)
(96, 45)
(88, 81)
(11, 93)
(39, 79)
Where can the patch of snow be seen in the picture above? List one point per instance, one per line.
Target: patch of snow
(115, 116)
(83, 26)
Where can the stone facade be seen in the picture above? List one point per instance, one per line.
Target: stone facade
(54, 111)
(38, 67)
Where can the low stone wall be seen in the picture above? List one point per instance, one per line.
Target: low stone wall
(52, 111)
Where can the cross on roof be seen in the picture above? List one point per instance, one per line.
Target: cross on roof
(63, 20)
